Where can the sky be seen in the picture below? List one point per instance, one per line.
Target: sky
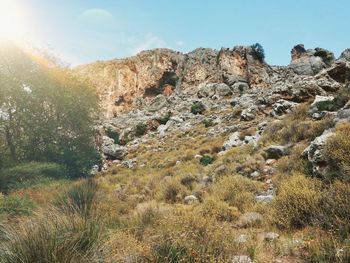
(82, 31)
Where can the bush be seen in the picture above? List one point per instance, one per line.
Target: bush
(164, 119)
(337, 150)
(206, 160)
(25, 175)
(114, 135)
(208, 123)
(259, 51)
(140, 129)
(55, 238)
(173, 191)
(16, 206)
(78, 199)
(235, 190)
(197, 108)
(335, 207)
(297, 202)
(221, 211)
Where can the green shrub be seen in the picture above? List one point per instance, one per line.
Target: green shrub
(140, 129)
(55, 238)
(197, 108)
(25, 175)
(14, 205)
(114, 135)
(297, 202)
(337, 149)
(206, 160)
(164, 119)
(78, 199)
(259, 51)
(208, 123)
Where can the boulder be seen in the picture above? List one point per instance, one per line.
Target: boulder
(190, 199)
(307, 65)
(241, 259)
(282, 107)
(240, 87)
(276, 151)
(223, 90)
(322, 103)
(113, 150)
(249, 219)
(247, 115)
(315, 154)
(233, 141)
(345, 55)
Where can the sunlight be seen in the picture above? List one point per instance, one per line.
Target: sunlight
(11, 21)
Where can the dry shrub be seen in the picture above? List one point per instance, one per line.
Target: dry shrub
(124, 247)
(236, 190)
(297, 201)
(295, 127)
(171, 191)
(191, 237)
(337, 150)
(218, 209)
(335, 204)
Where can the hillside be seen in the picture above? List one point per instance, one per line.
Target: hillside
(209, 156)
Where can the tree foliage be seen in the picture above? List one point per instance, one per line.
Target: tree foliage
(46, 113)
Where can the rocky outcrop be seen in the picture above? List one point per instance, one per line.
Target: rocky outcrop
(311, 61)
(121, 82)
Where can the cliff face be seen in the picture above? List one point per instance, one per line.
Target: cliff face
(120, 82)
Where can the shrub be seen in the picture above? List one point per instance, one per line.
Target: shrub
(206, 160)
(140, 129)
(208, 123)
(297, 201)
(54, 238)
(337, 150)
(215, 208)
(197, 108)
(235, 190)
(25, 175)
(14, 205)
(335, 207)
(259, 51)
(172, 191)
(164, 119)
(114, 135)
(78, 199)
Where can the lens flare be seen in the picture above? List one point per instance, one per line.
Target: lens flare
(11, 21)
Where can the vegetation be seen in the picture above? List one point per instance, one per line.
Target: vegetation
(337, 151)
(114, 135)
(141, 129)
(206, 160)
(258, 51)
(47, 114)
(197, 108)
(29, 174)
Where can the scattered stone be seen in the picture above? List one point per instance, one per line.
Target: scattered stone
(242, 238)
(233, 141)
(247, 115)
(190, 200)
(113, 150)
(264, 198)
(241, 259)
(249, 219)
(271, 236)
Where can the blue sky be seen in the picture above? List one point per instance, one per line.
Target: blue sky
(82, 31)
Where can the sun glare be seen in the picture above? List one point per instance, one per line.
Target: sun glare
(11, 21)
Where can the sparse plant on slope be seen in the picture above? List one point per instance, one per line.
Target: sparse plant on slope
(258, 51)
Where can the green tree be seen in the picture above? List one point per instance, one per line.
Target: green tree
(46, 113)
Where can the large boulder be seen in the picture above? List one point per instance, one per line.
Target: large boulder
(276, 151)
(345, 55)
(315, 154)
(310, 62)
(112, 150)
(322, 103)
